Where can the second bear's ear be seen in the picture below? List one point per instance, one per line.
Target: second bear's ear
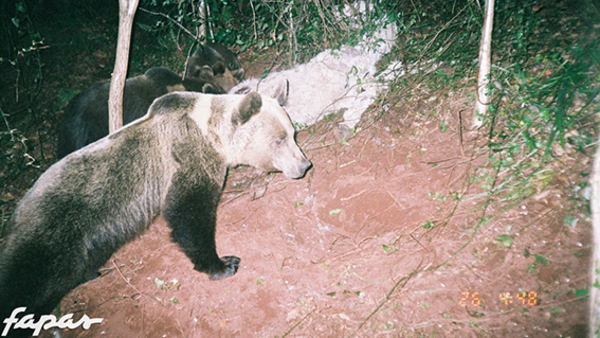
(212, 88)
(239, 74)
(219, 68)
(206, 72)
(249, 106)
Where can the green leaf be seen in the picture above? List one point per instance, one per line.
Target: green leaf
(443, 125)
(505, 240)
(335, 211)
(541, 259)
(428, 225)
(582, 293)
(570, 221)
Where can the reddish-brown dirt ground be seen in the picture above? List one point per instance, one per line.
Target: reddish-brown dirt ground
(383, 238)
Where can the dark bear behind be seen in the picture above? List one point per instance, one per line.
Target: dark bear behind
(86, 117)
(210, 54)
(220, 59)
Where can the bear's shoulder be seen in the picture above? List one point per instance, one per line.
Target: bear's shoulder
(173, 103)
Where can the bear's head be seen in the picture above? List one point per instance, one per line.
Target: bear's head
(218, 73)
(253, 130)
(265, 136)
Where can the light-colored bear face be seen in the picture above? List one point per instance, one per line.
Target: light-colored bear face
(253, 130)
(272, 145)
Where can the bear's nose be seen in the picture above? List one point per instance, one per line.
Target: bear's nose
(304, 166)
(299, 170)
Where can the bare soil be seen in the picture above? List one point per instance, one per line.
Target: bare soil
(386, 236)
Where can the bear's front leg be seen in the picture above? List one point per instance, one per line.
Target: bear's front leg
(191, 211)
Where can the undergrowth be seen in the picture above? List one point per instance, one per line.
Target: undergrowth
(544, 85)
(300, 29)
(22, 63)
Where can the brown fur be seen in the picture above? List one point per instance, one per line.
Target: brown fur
(173, 162)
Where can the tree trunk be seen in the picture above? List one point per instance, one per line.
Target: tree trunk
(204, 15)
(127, 10)
(485, 61)
(594, 292)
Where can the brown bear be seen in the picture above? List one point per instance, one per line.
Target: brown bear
(221, 60)
(86, 117)
(173, 162)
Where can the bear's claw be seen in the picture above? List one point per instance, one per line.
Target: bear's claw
(232, 263)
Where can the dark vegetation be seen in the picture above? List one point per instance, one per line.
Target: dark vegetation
(545, 88)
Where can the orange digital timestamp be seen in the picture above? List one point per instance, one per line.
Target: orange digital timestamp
(525, 298)
(474, 299)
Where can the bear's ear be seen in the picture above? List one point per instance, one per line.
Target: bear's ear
(281, 92)
(249, 106)
(239, 74)
(206, 72)
(212, 88)
(219, 68)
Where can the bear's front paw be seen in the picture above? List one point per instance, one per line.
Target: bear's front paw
(232, 264)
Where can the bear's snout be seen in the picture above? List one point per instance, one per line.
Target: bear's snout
(300, 170)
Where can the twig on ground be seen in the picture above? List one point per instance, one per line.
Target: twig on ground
(133, 287)
(298, 323)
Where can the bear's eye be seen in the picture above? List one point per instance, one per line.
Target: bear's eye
(281, 141)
